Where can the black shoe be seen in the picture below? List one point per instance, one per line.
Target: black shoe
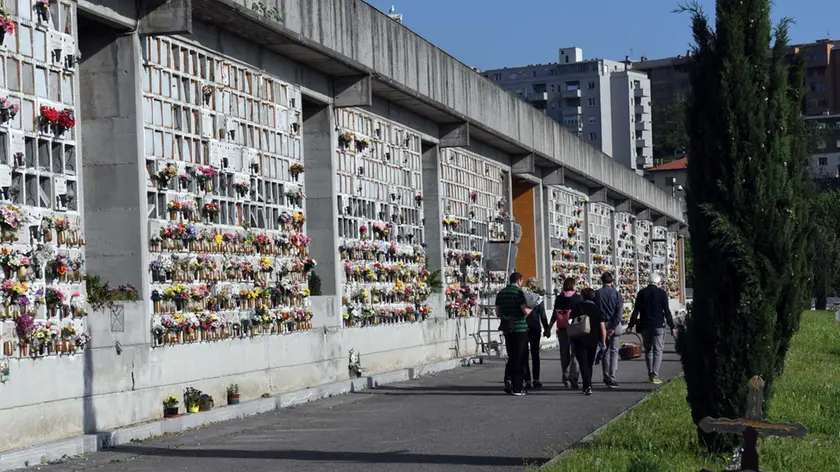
(529, 386)
(508, 387)
(612, 384)
(518, 394)
(566, 382)
(587, 391)
(574, 384)
(537, 384)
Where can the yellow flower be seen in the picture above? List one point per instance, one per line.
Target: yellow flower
(306, 292)
(219, 238)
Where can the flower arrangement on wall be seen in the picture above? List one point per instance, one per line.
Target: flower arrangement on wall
(566, 237)
(43, 299)
(381, 246)
(627, 279)
(673, 266)
(601, 257)
(475, 211)
(229, 251)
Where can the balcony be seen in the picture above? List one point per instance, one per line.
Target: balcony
(538, 97)
(642, 126)
(641, 93)
(642, 142)
(641, 110)
(571, 93)
(572, 110)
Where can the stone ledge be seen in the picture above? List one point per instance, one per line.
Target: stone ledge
(89, 443)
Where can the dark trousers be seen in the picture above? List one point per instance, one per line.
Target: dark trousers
(534, 338)
(585, 355)
(517, 351)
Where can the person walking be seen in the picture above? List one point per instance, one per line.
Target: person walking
(512, 309)
(563, 305)
(650, 316)
(537, 325)
(586, 343)
(611, 305)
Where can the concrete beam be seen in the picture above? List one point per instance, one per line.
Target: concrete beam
(661, 221)
(624, 206)
(674, 227)
(598, 195)
(523, 164)
(352, 91)
(117, 14)
(684, 232)
(644, 215)
(454, 135)
(554, 176)
(165, 17)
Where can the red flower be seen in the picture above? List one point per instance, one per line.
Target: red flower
(66, 119)
(49, 113)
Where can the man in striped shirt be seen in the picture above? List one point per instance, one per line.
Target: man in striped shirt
(512, 308)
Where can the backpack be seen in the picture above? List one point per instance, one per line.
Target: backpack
(562, 317)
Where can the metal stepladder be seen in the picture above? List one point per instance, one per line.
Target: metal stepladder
(498, 256)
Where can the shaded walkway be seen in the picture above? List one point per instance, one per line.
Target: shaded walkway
(454, 421)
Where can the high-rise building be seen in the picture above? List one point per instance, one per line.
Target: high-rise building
(668, 77)
(822, 77)
(605, 102)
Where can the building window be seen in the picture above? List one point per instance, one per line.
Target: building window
(591, 85)
(592, 120)
(823, 161)
(817, 86)
(534, 73)
(838, 144)
(593, 136)
(821, 145)
(837, 125)
(820, 125)
(592, 102)
(497, 76)
(553, 105)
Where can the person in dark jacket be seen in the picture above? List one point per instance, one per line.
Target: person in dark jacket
(563, 305)
(511, 308)
(537, 325)
(586, 346)
(609, 301)
(650, 316)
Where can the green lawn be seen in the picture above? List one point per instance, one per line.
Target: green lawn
(659, 436)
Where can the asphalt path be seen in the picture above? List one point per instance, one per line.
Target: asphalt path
(459, 420)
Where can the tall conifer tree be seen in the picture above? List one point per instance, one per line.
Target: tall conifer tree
(747, 210)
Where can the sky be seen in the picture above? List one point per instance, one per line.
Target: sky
(491, 34)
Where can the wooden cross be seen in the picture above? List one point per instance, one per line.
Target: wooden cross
(752, 426)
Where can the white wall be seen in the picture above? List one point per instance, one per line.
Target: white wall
(99, 389)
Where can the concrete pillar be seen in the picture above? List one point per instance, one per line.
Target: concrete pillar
(319, 139)
(541, 234)
(114, 163)
(433, 210)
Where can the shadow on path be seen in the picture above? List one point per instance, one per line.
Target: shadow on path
(393, 457)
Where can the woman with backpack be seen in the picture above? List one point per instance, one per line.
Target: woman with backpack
(587, 329)
(563, 305)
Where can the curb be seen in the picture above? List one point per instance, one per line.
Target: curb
(95, 442)
(589, 437)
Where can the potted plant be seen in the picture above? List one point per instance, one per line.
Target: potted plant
(192, 399)
(205, 402)
(233, 394)
(170, 407)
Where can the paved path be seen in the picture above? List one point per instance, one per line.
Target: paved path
(454, 421)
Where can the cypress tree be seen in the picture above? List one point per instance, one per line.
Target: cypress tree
(747, 212)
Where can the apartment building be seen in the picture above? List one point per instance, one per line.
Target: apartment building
(822, 77)
(605, 102)
(668, 77)
(825, 161)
